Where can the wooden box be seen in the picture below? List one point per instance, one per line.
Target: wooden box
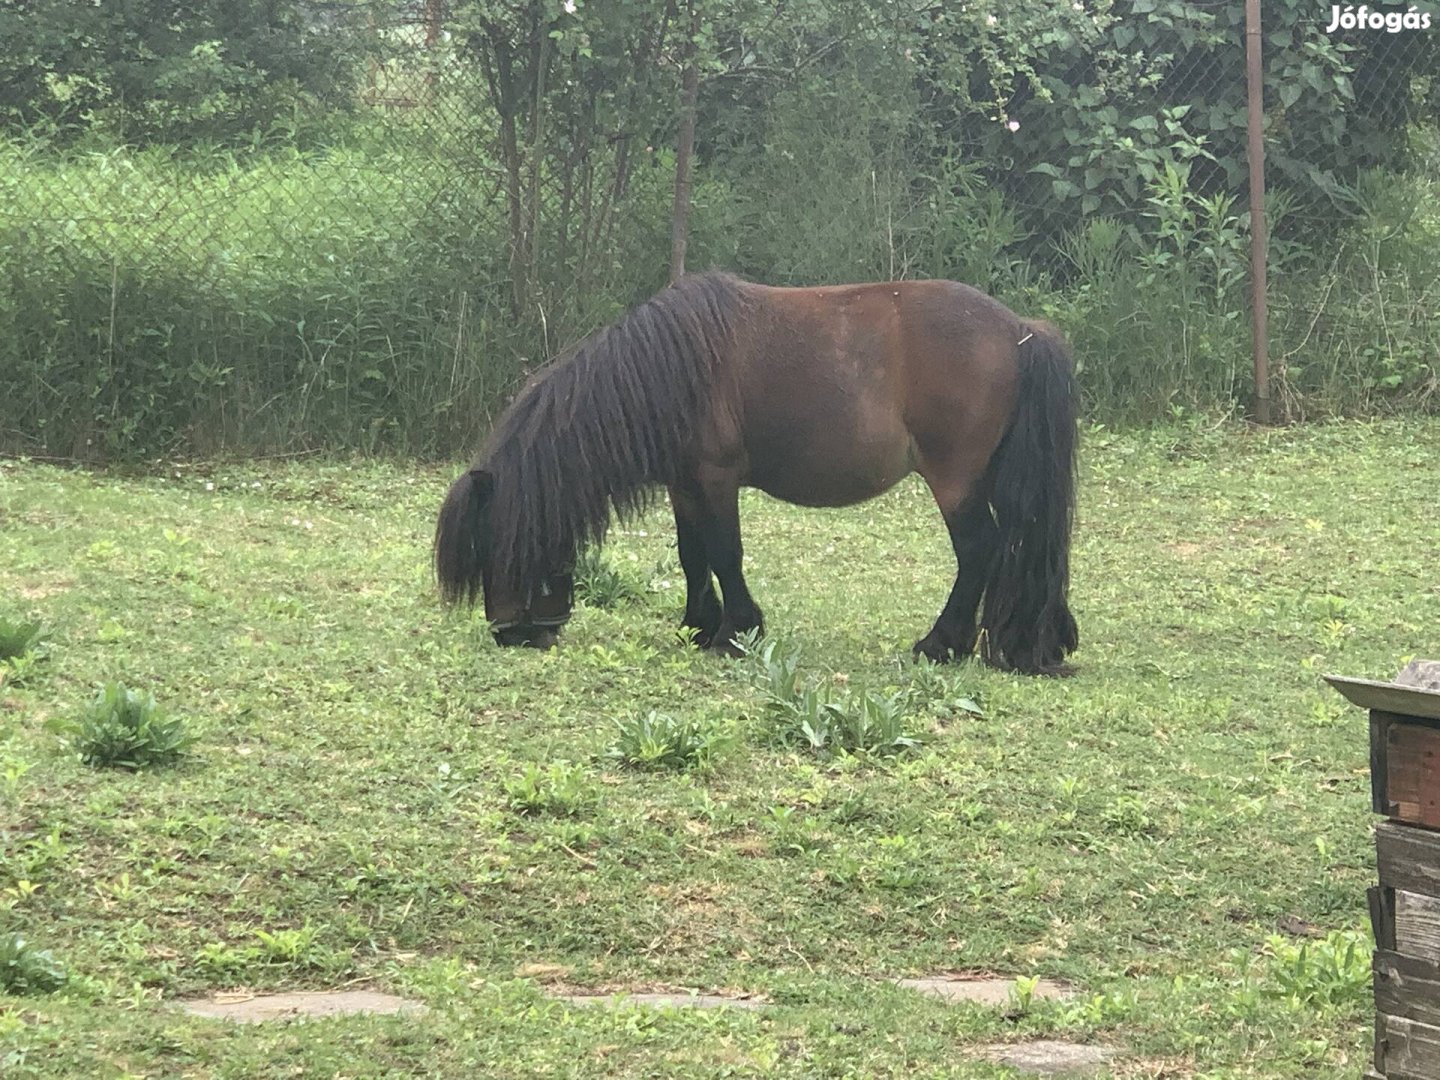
(1405, 905)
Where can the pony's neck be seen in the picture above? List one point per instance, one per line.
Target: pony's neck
(598, 432)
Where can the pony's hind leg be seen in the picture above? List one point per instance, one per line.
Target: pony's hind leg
(713, 503)
(702, 606)
(974, 536)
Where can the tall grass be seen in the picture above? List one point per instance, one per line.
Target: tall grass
(1159, 310)
(1161, 318)
(356, 296)
(217, 303)
(1359, 331)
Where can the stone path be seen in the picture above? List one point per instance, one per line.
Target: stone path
(678, 1001)
(257, 1008)
(1046, 1057)
(981, 991)
(1043, 1058)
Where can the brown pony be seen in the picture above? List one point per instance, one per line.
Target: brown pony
(821, 397)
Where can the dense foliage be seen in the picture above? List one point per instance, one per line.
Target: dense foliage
(287, 222)
(171, 70)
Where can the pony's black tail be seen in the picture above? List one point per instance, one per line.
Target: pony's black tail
(1026, 622)
(460, 538)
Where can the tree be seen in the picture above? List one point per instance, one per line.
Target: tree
(574, 88)
(685, 145)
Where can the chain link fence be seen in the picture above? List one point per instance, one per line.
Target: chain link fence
(370, 229)
(1352, 154)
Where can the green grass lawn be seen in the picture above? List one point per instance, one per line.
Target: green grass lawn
(361, 805)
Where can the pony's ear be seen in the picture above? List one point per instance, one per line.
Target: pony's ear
(484, 481)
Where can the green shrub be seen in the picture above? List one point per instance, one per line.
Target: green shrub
(599, 584)
(561, 789)
(25, 969)
(155, 301)
(775, 663)
(1332, 971)
(866, 722)
(942, 688)
(121, 728)
(829, 721)
(21, 650)
(18, 637)
(661, 741)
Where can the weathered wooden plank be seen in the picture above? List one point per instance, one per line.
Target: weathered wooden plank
(1409, 1048)
(1382, 916)
(1379, 762)
(1408, 858)
(1407, 986)
(1417, 925)
(1388, 696)
(1410, 788)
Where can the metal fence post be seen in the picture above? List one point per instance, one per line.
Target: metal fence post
(1255, 92)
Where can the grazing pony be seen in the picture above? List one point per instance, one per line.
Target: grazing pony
(819, 396)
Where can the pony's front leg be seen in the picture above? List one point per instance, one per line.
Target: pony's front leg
(702, 606)
(716, 502)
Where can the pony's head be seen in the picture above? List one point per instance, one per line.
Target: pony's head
(519, 613)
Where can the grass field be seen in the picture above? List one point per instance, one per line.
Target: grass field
(363, 804)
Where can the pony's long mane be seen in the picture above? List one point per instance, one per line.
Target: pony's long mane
(603, 427)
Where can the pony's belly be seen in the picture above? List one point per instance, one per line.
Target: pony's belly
(831, 482)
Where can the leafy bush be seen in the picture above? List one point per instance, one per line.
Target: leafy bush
(599, 584)
(1103, 98)
(1331, 972)
(21, 650)
(216, 69)
(942, 688)
(868, 722)
(661, 741)
(829, 722)
(234, 328)
(559, 789)
(295, 947)
(17, 637)
(776, 662)
(121, 728)
(25, 969)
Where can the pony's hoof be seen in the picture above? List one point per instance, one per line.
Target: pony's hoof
(697, 636)
(1054, 669)
(726, 647)
(933, 650)
(724, 643)
(530, 637)
(544, 639)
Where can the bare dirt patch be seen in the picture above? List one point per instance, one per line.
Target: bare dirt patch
(1187, 549)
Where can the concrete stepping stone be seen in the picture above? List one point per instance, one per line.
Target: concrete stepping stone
(258, 1008)
(1049, 1057)
(659, 1001)
(980, 990)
